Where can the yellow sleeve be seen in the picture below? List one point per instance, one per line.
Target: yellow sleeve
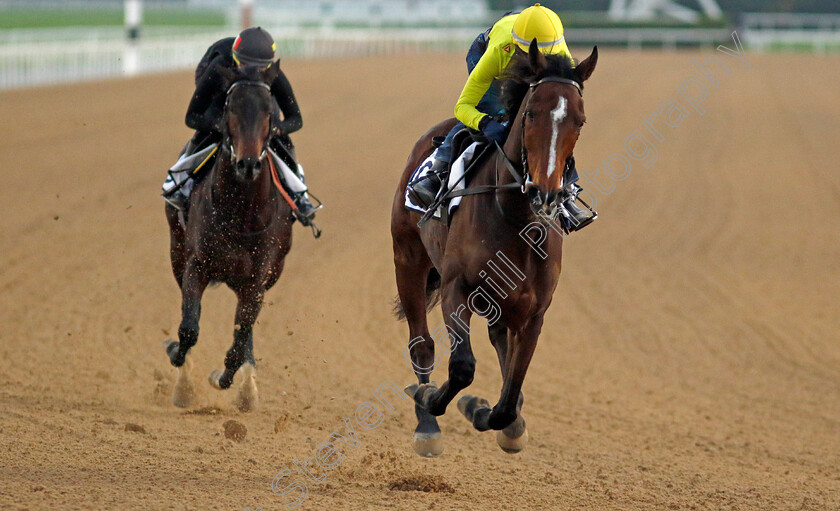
(489, 66)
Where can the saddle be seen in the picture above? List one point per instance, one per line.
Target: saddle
(461, 141)
(197, 159)
(469, 150)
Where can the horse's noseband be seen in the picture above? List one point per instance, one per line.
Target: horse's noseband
(232, 151)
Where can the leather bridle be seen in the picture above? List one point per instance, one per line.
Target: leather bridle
(533, 86)
(228, 141)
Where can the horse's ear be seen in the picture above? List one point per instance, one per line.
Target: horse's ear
(270, 74)
(536, 58)
(584, 69)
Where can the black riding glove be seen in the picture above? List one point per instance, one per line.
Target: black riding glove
(492, 129)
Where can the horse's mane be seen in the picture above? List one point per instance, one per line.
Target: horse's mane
(232, 75)
(249, 73)
(520, 75)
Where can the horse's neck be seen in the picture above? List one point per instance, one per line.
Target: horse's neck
(246, 205)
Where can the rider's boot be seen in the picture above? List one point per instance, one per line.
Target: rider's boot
(172, 193)
(305, 209)
(424, 191)
(305, 213)
(172, 187)
(579, 217)
(176, 199)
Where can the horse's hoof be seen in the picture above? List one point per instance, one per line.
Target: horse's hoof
(469, 404)
(248, 396)
(428, 445)
(171, 348)
(215, 379)
(419, 392)
(183, 392)
(463, 402)
(512, 445)
(411, 390)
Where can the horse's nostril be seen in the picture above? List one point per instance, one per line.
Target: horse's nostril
(248, 168)
(536, 196)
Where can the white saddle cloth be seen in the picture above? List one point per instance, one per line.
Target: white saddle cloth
(179, 172)
(454, 183)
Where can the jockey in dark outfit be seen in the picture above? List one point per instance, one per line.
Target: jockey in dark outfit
(254, 46)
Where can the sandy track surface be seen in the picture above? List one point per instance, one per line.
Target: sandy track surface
(690, 360)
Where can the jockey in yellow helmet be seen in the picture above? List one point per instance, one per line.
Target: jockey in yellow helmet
(500, 42)
(480, 100)
(487, 60)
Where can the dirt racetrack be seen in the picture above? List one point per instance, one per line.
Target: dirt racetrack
(691, 358)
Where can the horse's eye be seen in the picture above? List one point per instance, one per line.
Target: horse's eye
(529, 115)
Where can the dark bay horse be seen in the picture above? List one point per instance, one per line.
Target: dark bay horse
(505, 231)
(238, 232)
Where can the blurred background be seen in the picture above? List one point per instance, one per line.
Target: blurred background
(59, 41)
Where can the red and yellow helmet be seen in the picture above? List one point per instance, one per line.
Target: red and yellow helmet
(254, 46)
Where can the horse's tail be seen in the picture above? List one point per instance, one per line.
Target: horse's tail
(432, 294)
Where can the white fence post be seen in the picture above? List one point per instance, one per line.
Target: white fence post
(133, 18)
(246, 9)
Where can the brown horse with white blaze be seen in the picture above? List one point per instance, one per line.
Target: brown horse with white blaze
(239, 232)
(544, 104)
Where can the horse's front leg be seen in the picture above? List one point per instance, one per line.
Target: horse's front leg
(242, 351)
(461, 362)
(513, 438)
(518, 357)
(193, 285)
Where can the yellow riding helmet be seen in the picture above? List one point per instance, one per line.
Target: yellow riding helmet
(541, 23)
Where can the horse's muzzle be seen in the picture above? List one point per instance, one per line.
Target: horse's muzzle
(248, 169)
(543, 204)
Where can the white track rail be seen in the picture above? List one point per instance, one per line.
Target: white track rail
(819, 32)
(79, 58)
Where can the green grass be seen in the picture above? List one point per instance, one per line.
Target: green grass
(801, 47)
(49, 18)
(588, 20)
(480, 27)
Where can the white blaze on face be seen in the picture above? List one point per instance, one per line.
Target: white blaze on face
(557, 116)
